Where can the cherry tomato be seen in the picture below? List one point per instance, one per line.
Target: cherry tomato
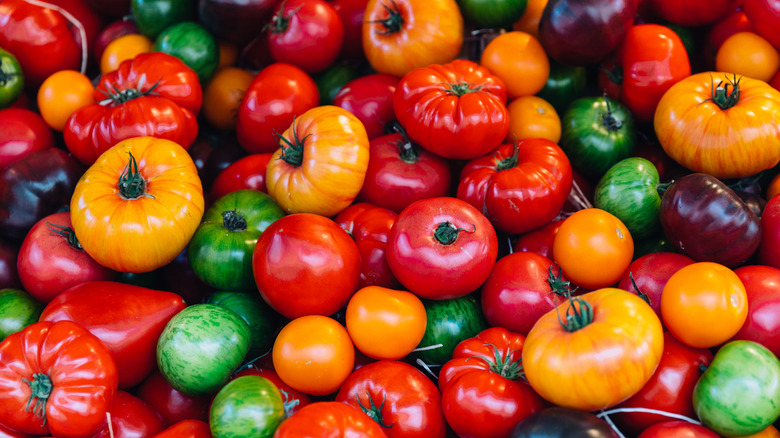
(749, 54)
(222, 96)
(532, 116)
(61, 94)
(123, 48)
(22, 132)
(518, 58)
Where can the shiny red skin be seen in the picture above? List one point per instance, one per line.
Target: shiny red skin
(131, 417)
(670, 388)
(245, 173)
(22, 132)
(327, 419)
(762, 284)
(302, 253)
(48, 264)
(431, 269)
(735, 22)
(351, 13)
(410, 413)
(525, 196)
(650, 273)
(111, 32)
(311, 37)
(677, 429)
(765, 17)
(395, 178)
(127, 318)
(448, 124)
(539, 240)
(288, 394)
(7, 433)
(693, 12)
(276, 95)
(186, 429)
(518, 291)
(170, 403)
(370, 99)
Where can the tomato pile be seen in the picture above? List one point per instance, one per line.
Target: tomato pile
(389, 218)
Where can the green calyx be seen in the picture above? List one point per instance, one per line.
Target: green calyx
(394, 21)
(721, 96)
(67, 233)
(132, 184)
(461, 88)
(292, 150)
(233, 221)
(608, 119)
(557, 285)
(446, 232)
(115, 96)
(504, 367)
(281, 22)
(579, 314)
(510, 161)
(373, 411)
(40, 390)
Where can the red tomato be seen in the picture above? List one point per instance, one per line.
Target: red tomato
(693, 12)
(370, 99)
(329, 418)
(289, 394)
(351, 13)
(650, 274)
(762, 284)
(765, 17)
(173, 405)
(769, 248)
(384, 391)
(677, 429)
(306, 33)
(131, 417)
(245, 173)
(539, 240)
(370, 227)
(22, 132)
(186, 429)
(276, 95)
(110, 32)
(442, 248)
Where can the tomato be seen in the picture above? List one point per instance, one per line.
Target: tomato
(61, 94)
(749, 54)
(533, 117)
(57, 378)
(677, 429)
(277, 94)
(301, 253)
(351, 13)
(11, 79)
(325, 418)
(594, 248)
(529, 21)
(152, 184)
(294, 400)
(113, 30)
(403, 35)
(370, 99)
(22, 132)
(704, 304)
(152, 17)
(692, 13)
(382, 390)
(647, 275)
(222, 96)
(305, 33)
(441, 248)
(130, 416)
(457, 110)
(245, 173)
(313, 354)
(519, 187)
(539, 240)
(193, 44)
(18, 309)
(172, 405)
(762, 298)
(186, 428)
(121, 49)
(247, 406)
(607, 332)
(764, 15)
(263, 321)
(696, 117)
(449, 322)
(519, 60)
(560, 422)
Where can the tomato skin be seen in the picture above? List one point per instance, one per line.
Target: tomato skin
(22, 132)
(650, 273)
(456, 110)
(449, 266)
(62, 93)
(329, 418)
(245, 173)
(764, 15)
(292, 394)
(12, 84)
(762, 284)
(693, 13)
(735, 22)
(519, 60)
(677, 429)
(370, 99)
(749, 54)
(186, 429)
(539, 240)
(768, 250)
(222, 96)
(131, 416)
(173, 405)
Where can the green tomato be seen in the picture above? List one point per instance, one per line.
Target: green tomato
(11, 79)
(248, 406)
(262, 320)
(564, 85)
(492, 14)
(628, 191)
(194, 45)
(200, 348)
(153, 16)
(332, 79)
(739, 394)
(18, 309)
(449, 323)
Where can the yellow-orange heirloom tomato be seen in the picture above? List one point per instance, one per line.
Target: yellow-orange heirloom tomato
(321, 163)
(721, 124)
(136, 208)
(385, 323)
(533, 117)
(594, 351)
(401, 35)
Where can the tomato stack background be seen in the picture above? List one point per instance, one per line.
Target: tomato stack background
(401, 218)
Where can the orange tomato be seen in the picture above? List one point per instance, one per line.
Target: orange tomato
(313, 354)
(533, 117)
(773, 188)
(593, 248)
(228, 54)
(385, 323)
(529, 22)
(123, 48)
(223, 95)
(704, 304)
(62, 93)
(518, 58)
(769, 432)
(749, 54)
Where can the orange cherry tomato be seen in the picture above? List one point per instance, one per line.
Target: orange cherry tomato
(518, 58)
(748, 54)
(593, 248)
(123, 48)
(529, 22)
(533, 117)
(62, 93)
(223, 95)
(313, 354)
(704, 304)
(385, 323)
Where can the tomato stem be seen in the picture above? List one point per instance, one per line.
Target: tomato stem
(233, 221)
(446, 233)
(289, 403)
(505, 367)
(641, 294)
(511, 161)
(407, 152)
(292, 151)
(118, 97)
(281, 22)
(557, 285)
(132, 184)
(720, 94)
(40, 390)
(461, 88)
(394, 21)
(373, 411)
(579, 313)
(67, 233)
(6, 76)
(608, 119)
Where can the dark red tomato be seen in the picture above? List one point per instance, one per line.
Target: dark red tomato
(775, 82)
(22, 132)
(735, 22)
(400, 173)
(765, 17)
(170, 403)
(693, 12)
(539, 240)
(762, 284)
(769, 248)
(522, 287)
(276, 95)
(112, 31)
(370, 99)
(288, 394)
(398, 396)
(442, 248)
(351, 13)
(670, 388)
(245, 173)
(650, 274)
(306, 33)
(677, 429)
(186, 429)
(52, 260)
(9, 277)
(131, 417)
(8, 433)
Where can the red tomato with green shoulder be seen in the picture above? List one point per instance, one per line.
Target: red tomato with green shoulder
(289, 394)
(370, 99)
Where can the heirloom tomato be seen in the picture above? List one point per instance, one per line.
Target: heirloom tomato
(370, 99)
(518, 59)
(748, 54)
(247, 406)
(456, 110)
(519, 187)
(22, 132)
(564, 84)
(607, 332)
(402, 35)
(61, 94)
(539, 240)
(370, 226)
(57, 378)
(330, 418)
(263, 321)
(629, 190)
(145, 194)
(173, 405)
(560, 422)
(294, 400)
(762, 285)
(193, 44)
(647, 275)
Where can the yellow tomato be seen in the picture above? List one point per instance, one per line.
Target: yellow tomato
(749, 54)
(223, 95)
(529, 22)
(62, 93)
(518, 58)
(533, 117)
(123, 48)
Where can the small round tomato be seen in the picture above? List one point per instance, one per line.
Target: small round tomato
(647, 275)
(313, 354)
(593, 247)
(762, 284)
(11, 79)
(532, 116)
(370, 99)
(518, 58)
(749, 54)
(385, 323)
(704, 304)
(222, 96)
(677, 429)
(62, 93)
(245, 173)
(123, 48)
(22, 132)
